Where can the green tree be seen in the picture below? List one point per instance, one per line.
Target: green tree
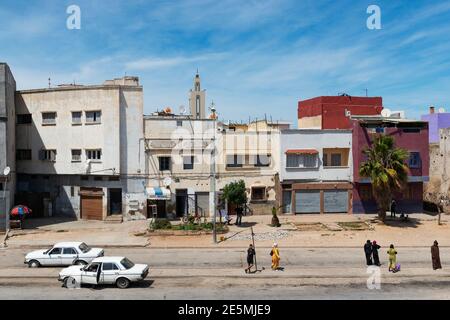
(235, 193)
(385, 166)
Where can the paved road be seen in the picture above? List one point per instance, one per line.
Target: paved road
(416, 281)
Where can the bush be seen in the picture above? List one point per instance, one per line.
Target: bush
(161, 223)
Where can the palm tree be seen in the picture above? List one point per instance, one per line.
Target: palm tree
(386, 168)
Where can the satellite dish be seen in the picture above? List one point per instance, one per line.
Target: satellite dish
(182, 110)
(167, 181)
(386, 113)
(6, 171)
(441, 110)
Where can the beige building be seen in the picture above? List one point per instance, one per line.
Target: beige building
(79, 150)
(438, 188)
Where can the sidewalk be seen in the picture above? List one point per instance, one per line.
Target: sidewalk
(296, 231)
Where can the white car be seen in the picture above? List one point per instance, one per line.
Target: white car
(105, 270)
(63, 254)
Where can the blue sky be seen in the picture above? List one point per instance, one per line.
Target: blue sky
(254, 57)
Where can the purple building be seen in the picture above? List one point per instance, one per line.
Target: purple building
(436, 121)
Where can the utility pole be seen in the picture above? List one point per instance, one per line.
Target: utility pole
(6, 173)
(212, 195)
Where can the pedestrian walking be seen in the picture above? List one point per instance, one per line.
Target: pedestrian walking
(275, 253)
(239, 213)
(376, 258)
(392, 253)
(393, 208)
(435, 257)
(250, 258)
(368, 252)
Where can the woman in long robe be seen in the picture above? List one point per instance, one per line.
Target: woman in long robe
(435, 257)
(275, 257)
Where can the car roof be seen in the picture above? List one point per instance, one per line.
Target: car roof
(108, 259)
(68, 244)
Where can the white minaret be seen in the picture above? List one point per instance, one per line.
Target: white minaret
(197, 99)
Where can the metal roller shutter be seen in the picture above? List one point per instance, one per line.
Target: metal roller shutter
(307, 201)
(91, 204)
(335, 201)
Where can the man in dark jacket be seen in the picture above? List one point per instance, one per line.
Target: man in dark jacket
(250, 258)
(376, 258)
(368, 252)
(393, 208)
(239, 213)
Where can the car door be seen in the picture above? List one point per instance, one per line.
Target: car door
(55, 257)
(91, 273)
(68, 256)
(110, 273)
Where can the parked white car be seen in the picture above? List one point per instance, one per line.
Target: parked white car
(63, 254)
(105, 270)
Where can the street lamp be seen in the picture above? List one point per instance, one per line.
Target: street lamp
(6, 173)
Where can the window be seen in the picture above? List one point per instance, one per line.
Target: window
(69, 251)
(76, 117)
(127, 263)
(56, 251)
(259, 193)
(262, 160)
(301, 161)
(97, 178)
(188, 162)
(93, 117)
(48, 118)
(235, 161)
(47, 155)
(72, 192)
(94, 154)
(84, 178)
(23, 154)
(76, 155)
(24, 118)
(179, 123)
(93, 267)
(108, 266)
(414, 160)
(164, 163)
(336, 160)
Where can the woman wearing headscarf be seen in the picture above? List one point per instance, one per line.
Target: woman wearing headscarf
(376, 258)
(392, 253)
(275, 253)
(436, 259)
(368, 252)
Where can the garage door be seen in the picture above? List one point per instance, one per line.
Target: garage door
(335, 201)
(307, 201)
(202, 203)
(91, 204)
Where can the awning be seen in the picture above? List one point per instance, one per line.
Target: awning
(302, 151)
(157, 193)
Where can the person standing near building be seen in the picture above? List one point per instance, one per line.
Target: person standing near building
(275, 253)
(392, 253)
(393, 208)
(368, 252)
(250, 258)
(376, 258)
(239, 213)
(435, 257)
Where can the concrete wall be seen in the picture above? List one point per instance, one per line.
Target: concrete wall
(439, 185)
(7, 140)
(119, 135)
(318, 140)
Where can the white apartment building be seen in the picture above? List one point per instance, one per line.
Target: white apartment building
(316, 172)
(79, 150)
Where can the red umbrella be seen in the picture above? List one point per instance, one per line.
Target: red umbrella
(20, 211)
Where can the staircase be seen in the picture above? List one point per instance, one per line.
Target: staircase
(116, 218)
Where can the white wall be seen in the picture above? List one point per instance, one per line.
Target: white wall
(318, 140)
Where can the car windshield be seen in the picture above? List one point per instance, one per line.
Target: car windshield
(127, 263)
(84, 248)
(47, 251)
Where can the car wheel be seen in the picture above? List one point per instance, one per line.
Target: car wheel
(123, 283)
(34, 264)
(80, 263)
(70, 283)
